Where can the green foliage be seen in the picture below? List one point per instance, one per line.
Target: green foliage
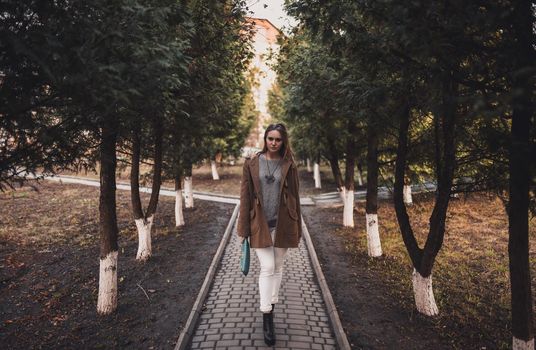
(307, 96)
(220, 52)
(36, 127)
(398, 52)
(68, 67)
(465, 71)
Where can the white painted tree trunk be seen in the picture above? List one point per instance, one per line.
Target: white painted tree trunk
(188, 192)
(107, 299)
(373, 235)
(359, 178)
(309, 169)
(424, 294)
(348, 212)
(215, 175)
(318, 183)
(518, 344)
(179, 215)
(144, 238)
(407, 195)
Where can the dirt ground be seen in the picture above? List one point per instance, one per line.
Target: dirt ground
(49, 270)
(49, 264)
(470, 277)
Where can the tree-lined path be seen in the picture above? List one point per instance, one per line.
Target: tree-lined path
(230, 317)
(374, 94)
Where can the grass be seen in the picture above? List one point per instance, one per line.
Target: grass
(40, 217)
(470, 275)
(49, 252)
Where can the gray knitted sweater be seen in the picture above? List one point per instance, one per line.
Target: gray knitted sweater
(270, 189)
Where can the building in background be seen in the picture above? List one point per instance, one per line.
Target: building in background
(264, 44)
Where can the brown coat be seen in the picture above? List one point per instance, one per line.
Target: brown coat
(253, 224)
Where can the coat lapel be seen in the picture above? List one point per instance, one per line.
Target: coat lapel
(284, 170)
(254, 170)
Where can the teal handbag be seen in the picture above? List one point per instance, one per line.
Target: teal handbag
(244, 257)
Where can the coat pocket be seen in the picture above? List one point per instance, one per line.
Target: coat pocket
(291, 206)
(292, 213)
(254, 222)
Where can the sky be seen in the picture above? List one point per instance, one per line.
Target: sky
(272, 10)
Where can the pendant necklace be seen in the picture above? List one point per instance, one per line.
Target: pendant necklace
(270, 176)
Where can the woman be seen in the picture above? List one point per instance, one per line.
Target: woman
(270, 215)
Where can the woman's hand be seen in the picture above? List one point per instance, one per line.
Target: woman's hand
(241, 239)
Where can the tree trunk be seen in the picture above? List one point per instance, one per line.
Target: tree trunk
(318, 183)
(157, 168)
(107, 298)
(335, 169)
(144, 222)
(424, 294)
(144, 226)
(309, 169)
(415, 253)
(349, 183)
(359, 174)
(518, 208)
(408, 198)
(423, 259)
(214, 168)
(422, 285)
(437, 219)
(438, 147)
(373, 234)
(135, 199)
(348, 212)
(179, 215)
(518, 230)
(188, 188)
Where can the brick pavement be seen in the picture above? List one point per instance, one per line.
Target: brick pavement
(231, 318)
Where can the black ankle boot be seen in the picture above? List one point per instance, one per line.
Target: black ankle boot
(268, 328)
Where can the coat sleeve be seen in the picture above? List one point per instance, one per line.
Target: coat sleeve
(244, 228)
(298, 204)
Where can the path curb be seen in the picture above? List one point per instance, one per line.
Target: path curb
(189, 327)
(331, 309)
(164, 191)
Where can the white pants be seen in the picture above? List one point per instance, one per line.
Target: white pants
(271, 260)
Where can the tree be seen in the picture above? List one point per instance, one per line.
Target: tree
(39, 129)
(144, 221)
(315, 110)
(520, 173)
(220, 50)
(85, 59)
(371, 206)
(163, 37)
(396, 36)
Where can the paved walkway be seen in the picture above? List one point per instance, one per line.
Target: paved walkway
(231, 318)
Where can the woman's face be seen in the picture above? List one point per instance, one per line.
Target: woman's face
(274, 141)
